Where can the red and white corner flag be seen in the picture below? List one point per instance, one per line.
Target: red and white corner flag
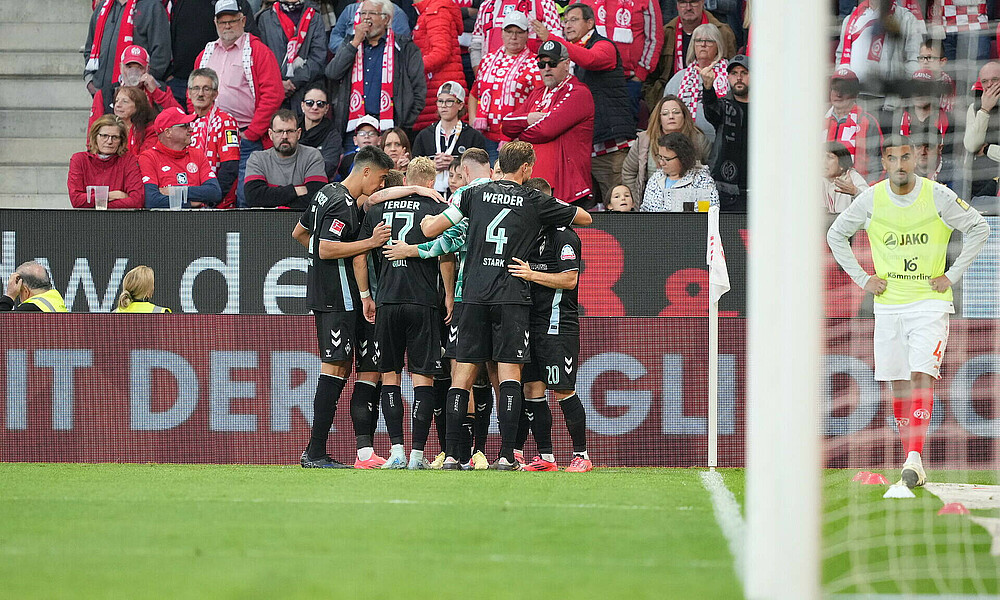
(718, 274)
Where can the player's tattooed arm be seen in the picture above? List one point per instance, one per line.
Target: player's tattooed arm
(566, 280)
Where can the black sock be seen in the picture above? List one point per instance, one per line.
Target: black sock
(541, 425)
(483, 397)
(376, 396)
(421, 412)
(524, 424)
(576, 421)
(508, 414)
(328, 390)
(440, 414)
(363, 412)
(465, 441)
(456, 406)
(392, 410)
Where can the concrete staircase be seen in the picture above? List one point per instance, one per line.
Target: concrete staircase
(43, 102)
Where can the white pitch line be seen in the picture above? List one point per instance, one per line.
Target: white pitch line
(727, 515)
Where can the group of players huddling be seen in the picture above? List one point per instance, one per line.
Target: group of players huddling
(477, 292)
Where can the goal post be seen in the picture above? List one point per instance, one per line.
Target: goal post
(789, 74)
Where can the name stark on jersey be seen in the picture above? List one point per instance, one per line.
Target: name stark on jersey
(493, 262)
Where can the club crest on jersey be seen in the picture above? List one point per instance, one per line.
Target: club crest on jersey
(337, 227)
(567, 253)
(191, 168)
(182, 178)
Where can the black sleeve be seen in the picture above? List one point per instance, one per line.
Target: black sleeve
(261, 195)
(552, 212)
(226, 173)
(371, 218)
(421, 145)
(567, 249)
(7, 305)
(713, 106)
(332, 150)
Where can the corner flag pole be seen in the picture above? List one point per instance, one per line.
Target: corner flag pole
(718, 284)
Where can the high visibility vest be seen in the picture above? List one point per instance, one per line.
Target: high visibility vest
(909, 246)
(50, 301)
(142, 307)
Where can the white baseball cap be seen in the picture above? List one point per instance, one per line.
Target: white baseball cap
(227, 6)
(454, 88)
(517, 19)
(367, 120)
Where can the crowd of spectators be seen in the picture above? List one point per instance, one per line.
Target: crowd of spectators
(631, 104)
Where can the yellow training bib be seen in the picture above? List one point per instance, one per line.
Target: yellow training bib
(909, 245)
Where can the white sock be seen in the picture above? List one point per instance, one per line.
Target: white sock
(397, 450)
(914, 457)
(365, 453)
(416, 454)
(582, 455)
(549, 457)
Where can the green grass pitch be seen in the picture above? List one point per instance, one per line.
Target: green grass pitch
(215, 531)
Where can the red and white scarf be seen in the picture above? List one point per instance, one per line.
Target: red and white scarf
(854, 31)
(941, 125)
(357, 105)
(849, 132)
(692, 84)
(498, 10)
(247, 61)
(499, 74)
(679, 44)
(621, 22)
(125, 32)
(295, 37)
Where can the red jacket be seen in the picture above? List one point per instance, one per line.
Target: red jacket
(563, 138)
(119, 173)
(641, 55)
(436, 34)
(270, 93)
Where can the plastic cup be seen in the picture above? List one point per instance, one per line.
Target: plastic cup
(99, 194)
(178, 196)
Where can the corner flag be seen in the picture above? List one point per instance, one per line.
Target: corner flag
(718, 274)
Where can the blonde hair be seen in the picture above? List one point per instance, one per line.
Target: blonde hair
(706, 30)
(420, 170)
(108, 120)
(137, 286)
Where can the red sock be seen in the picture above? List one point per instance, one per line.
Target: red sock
(901, 410)
(921, 406)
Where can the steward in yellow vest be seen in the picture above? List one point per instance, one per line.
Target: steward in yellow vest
(31, 285)
(141, 306)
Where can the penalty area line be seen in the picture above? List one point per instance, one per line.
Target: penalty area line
(728, 516)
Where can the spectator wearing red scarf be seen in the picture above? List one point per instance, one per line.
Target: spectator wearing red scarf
(294, 31)
(851, 125)
(117, 24)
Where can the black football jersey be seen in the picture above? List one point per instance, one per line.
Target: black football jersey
(555, 312)
(333, 215)
(410, 280)
(505, 220)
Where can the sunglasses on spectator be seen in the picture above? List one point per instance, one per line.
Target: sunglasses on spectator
(109, 137)
(319, 103)
(548, 64)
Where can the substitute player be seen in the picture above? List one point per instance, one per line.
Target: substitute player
(909, 221)
(505, 219)
(554, 272)
(408, 321)
(329, 229)
(475, 167)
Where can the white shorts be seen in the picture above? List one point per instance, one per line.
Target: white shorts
(908, 343)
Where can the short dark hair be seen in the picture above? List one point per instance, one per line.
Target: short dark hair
(585, 10)
(539, 183)
(476, 155)
(514, 155)
(932, 44)
(679, 144)
(317, 86)
(394, 178)
(285, 115)
(848, 87)
(895, 140)
(843, 155)
(373, 157)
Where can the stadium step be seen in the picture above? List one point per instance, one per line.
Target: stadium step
(37, 123)
(34, 201)
(23, 62)
(29, 151)
(27, 180)
(44, 92)
(44, 36)
(46, 11)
